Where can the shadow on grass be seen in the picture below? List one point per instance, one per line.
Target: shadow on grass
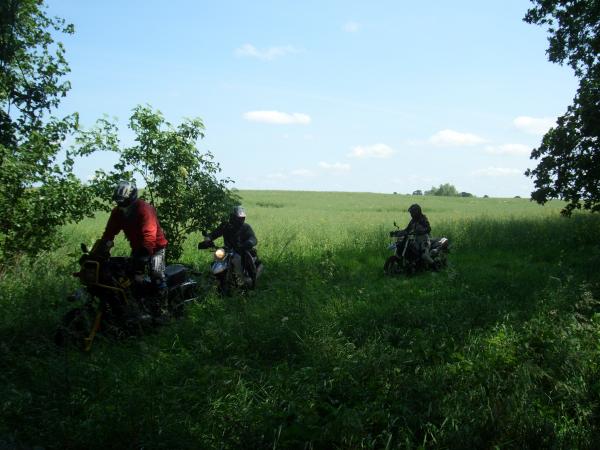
(328, 352)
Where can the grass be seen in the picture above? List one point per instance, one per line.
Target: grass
(500, 350)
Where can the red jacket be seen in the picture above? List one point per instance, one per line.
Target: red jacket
(140, 226)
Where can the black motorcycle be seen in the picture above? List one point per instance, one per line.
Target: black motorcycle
(222, 269)
(407, 256)
(112, 302)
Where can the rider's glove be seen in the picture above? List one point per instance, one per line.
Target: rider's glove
(140, 256)
(142, 253)
(204, 244)
(102, 247)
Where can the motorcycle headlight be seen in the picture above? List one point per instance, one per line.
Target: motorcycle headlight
(219, 254)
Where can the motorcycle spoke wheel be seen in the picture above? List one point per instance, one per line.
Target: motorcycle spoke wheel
(224, 284)
(392, 266)
(76, 326)
(176, 302)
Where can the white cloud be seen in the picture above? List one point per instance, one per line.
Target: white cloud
(268, 54)
(455, 139)
(534, 125)
(335, 167)
(508, 149)
(372, 151)
(351, 27)
(303, 173)
(497, 172)
(277, 117)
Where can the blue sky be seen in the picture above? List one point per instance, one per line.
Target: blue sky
(382, 96)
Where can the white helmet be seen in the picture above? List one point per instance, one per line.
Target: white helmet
(125, 193)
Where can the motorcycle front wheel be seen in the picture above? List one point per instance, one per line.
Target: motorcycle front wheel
(224, 283)
(75, 327)
(392, 266)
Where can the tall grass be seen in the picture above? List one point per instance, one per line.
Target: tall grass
(501, 349)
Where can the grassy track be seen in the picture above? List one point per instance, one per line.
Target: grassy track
(502, 349)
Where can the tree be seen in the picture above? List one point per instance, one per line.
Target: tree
(37, 195)
(466, 194)
(444, 190)
(569, 156)
(180, 181)
(417, 192)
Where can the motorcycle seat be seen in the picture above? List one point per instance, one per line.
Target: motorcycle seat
(175, 274)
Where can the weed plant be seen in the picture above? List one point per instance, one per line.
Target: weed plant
(500, 350)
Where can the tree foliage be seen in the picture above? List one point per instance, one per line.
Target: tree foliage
(37, 195)
(569, 156)
(444, 190)
(180, 181)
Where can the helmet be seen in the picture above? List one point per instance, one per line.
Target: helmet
(238, 215)
(125, 193)
(415, 210)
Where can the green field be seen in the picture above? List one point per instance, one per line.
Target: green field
(502, 349)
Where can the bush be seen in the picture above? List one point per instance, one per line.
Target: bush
(444, 190)
(180, 181)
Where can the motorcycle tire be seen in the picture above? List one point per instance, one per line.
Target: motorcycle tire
(392, 266)
(75, 327)
(251, 270)
(177, 299)
(224, 283)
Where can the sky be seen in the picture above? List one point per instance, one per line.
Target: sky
(330, 95)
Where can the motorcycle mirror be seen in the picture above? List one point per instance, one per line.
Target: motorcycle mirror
(84, 248)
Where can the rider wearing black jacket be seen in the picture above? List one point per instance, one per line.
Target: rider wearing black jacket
(237, 235)
(419, 225)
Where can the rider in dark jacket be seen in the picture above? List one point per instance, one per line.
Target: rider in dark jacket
(419, 225)
(239, 236)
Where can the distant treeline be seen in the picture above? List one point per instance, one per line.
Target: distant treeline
(443, 190)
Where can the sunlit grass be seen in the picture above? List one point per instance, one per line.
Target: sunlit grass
(501, 349)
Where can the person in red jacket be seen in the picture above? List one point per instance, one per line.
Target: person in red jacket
(138, 221)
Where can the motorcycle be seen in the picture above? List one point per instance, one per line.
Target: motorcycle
(407, 256)
(222, 268)
(113, 302)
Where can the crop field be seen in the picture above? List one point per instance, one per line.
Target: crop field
(499, 350)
